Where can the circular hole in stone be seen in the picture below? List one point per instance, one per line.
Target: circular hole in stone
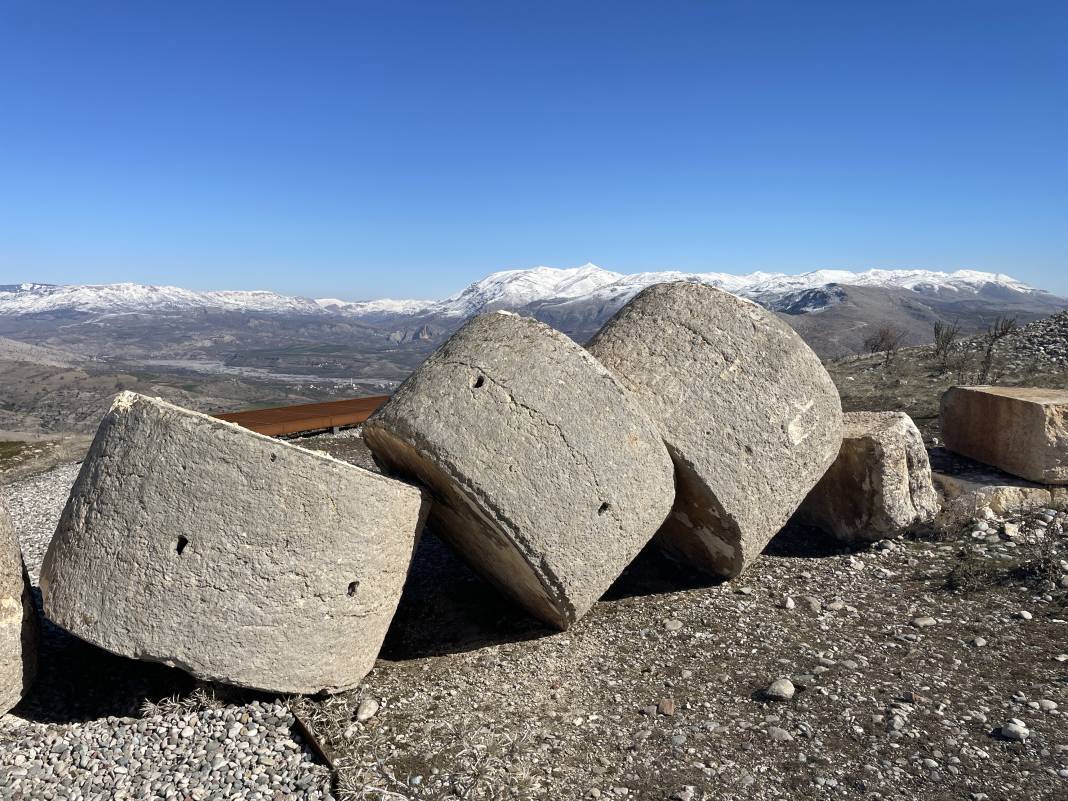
(603, 508)
(353, 586)
(479, 381)
(274, 457)
(182, 542)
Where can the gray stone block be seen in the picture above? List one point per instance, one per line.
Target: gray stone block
(547, 476)
(879, 485)
(749, 414)
(19, 629)
(236, 557)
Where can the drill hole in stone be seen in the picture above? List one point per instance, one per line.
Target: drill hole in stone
(603, 508)
(353, 586)
(274, 457)
(479, 381)
(182, 542)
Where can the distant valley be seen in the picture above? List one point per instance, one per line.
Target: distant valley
(66, 349)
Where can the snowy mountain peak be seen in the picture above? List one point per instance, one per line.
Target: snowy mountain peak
(124, 298)
(531, 289)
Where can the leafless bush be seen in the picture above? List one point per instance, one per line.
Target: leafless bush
(1044, 565)
(971, 573)
(886, 339)
(945, 336)
(1002, 327)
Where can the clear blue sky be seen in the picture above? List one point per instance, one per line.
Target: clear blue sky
(363, 149)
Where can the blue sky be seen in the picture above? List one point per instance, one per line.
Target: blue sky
(362, 149)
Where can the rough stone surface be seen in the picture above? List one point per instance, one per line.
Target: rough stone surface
(780, 690)
(18, 620)
(749, 414)
(1022, 430)
(965, 494)
(879, 485)
(547, 475)
(239, 558)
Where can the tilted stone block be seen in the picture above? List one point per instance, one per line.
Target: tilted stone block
(19, 630)
(1021, 430)
(749, 414)
(879, 485)
(237, 557)
(547, 476)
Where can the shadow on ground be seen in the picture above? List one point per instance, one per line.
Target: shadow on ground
(447, 608)
(800, 541)
(77, 682)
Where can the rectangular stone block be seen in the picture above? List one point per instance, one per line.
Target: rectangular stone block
(1021, 430)
(879, 485)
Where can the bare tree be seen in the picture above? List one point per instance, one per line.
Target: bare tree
(886, 339)
(945, 336)
(961, 362)
(1002, 327)
(883, 338)
(893, 339)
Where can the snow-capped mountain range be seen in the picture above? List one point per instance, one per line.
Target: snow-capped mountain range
(529, 289)
(125, 298)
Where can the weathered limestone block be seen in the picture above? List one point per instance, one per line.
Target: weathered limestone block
(19, 632)
(965, 496)
(968, 488)
(749, 414)
(547, 476)
(239, 558)
(879, 485)
(1021, 430)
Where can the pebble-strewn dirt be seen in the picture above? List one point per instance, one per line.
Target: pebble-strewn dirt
(902, 686)
(97, 726)
(914, 665)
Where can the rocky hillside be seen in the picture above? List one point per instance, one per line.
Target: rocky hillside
(914, 379)
(1042, 344)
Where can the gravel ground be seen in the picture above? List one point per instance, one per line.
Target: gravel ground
(927, 668)
(97, 726)
(909, 663)
(35, 504)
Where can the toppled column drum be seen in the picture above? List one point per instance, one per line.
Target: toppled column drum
(547, 476)
(238, 558)
(749, 414)
(19, 629)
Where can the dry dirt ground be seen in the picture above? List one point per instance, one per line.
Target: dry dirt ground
(658, 691)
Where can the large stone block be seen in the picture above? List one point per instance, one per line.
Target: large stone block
(19, 631)
(239, 558)
(1021, 430)
(547, 476)
(968, 487)
(749, 414)
(879, 485)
